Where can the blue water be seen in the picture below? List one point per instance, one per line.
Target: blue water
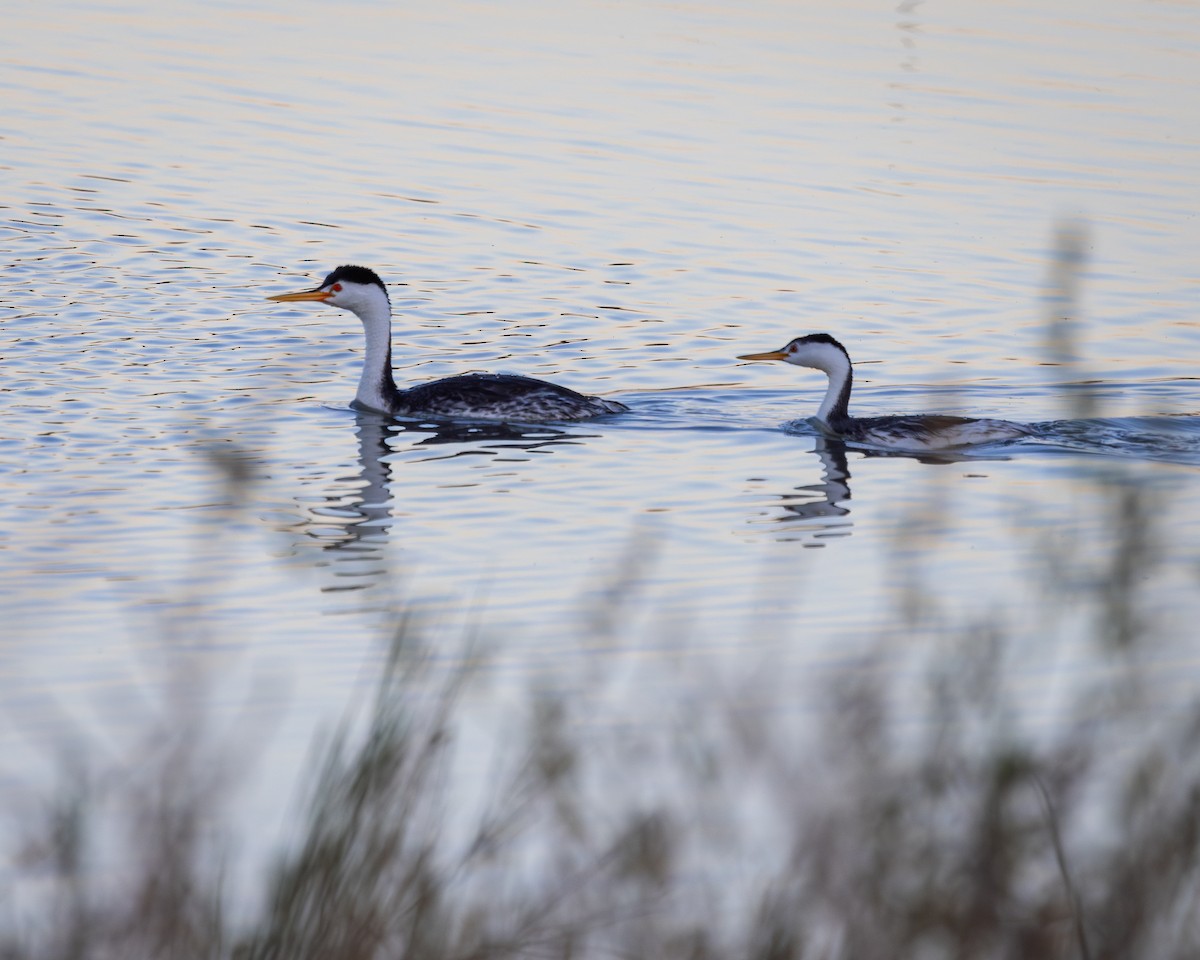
(621, 199)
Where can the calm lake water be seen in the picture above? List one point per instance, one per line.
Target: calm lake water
(619, 197)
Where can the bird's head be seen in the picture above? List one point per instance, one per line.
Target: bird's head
(352, 288)
(817, 350)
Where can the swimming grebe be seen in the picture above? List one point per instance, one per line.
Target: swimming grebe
(903, 432)
(476, 396)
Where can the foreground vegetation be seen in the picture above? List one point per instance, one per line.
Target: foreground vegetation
(895, 819)
(881, 825)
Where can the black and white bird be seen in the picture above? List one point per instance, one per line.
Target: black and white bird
(471, 396)
(909, 432)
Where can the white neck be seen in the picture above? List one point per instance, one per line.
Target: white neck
(376, 388)
(836, 367)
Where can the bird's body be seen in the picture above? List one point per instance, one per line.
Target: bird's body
(926, 431)
(908, 432)
(499, 396)
(471, 396)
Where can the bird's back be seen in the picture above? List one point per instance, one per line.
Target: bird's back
(501, 396)
(927, 431)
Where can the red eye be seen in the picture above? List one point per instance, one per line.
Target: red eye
(337, 288)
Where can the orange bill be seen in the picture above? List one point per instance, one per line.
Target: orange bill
(302, 295)
(769, 355)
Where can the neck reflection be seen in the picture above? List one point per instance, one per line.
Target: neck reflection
(354, 520)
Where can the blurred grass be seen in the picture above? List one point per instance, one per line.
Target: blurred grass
(949, 830)
(957, 837)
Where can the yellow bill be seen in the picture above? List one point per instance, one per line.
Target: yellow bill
(302, 295)
(769, 355)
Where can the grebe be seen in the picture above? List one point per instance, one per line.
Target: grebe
(477, 396)
(903, 432)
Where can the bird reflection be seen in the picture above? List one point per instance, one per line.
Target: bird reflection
(354, 519)
(518, 436)
(816, 509)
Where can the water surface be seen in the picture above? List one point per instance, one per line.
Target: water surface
(621, 198)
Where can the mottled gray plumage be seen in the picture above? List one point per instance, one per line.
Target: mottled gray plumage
(499, 396)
